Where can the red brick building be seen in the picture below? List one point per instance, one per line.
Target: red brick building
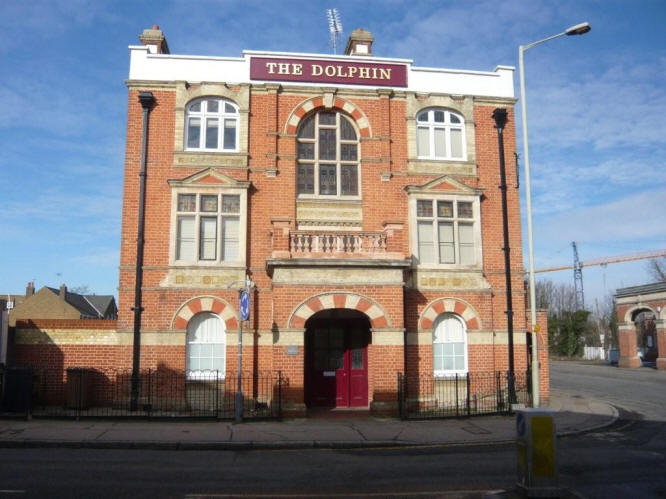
(359, 194)
(641, 313)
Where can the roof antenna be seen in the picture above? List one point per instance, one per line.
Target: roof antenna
(334, 27)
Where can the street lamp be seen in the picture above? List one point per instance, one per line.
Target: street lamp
(578, 29)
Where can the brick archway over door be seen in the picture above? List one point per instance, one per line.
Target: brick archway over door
(365, 305)
(205, 304)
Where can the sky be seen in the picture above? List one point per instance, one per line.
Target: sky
(596, 108)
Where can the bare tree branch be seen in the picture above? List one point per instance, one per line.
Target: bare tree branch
(657, 269)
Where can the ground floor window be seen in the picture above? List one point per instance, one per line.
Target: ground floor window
(206, 347)
(449, 345)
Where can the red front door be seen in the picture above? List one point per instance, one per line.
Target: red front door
(337, 364)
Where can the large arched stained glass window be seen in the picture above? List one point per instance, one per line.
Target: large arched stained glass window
(328, 156)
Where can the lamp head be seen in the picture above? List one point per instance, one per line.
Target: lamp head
(500, 117)
(578, 29)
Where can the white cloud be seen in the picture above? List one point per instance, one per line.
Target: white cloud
(637, 219)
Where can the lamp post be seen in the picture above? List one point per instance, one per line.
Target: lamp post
(578, 29)
(147, 100)
(500, 117)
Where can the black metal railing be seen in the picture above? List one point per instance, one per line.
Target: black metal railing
(460, 395)
(89, 392)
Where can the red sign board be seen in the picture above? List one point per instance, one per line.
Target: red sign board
(328, 71)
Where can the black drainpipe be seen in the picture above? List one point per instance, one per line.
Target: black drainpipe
(500, 117)
(147, 100)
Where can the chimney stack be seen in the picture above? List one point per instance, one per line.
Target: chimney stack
(30, 289)
(359, 43)
(63, 292)
(154, 39)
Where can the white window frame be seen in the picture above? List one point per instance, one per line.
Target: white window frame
(455, 220)
(338, 161)
(431, 125)
(219, 261)
(447, 373)
(206, 374)
(221, 115)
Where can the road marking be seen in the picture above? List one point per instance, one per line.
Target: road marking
(436, 493)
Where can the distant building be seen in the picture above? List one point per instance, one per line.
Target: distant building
(641, 315)
(52, 303)
(9, 301)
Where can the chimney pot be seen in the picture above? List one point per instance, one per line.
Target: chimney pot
(30, 289)
(359, 43)
(155, 40)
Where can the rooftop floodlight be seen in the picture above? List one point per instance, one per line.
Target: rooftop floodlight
(578, 29)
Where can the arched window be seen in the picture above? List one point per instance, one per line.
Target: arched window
(328, 156)
(206, 347)
(449, 345)
(440, 134)
(211, 124)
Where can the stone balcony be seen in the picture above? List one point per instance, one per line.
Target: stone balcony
(336, 247)
(327, 244)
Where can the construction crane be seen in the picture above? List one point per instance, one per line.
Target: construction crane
(578, 279)
(645, 255)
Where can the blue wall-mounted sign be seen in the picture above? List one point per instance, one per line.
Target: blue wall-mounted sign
(244, 305)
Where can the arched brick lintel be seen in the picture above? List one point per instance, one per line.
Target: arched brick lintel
(451, 305)
(205, 304)
(340, 104)
(633, 311)
(326, 301)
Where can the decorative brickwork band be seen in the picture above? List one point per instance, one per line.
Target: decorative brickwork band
(367, 306)
(337, 103)
(205, 304)
(453, 305)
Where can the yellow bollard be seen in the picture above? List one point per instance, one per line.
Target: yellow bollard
(536, 453)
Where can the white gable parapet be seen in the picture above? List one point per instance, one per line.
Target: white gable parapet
(145, 65)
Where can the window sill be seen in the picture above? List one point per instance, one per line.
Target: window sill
(200, 264)
(449, 375)
(328, 199)
(439, 166)
(206, 159)
(447, 266)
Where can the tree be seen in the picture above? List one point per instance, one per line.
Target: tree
(656, 268)
(84, 289)
(555, 297)
(568, 328)
(606, 317)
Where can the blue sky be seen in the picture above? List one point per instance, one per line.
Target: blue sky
(597, 104)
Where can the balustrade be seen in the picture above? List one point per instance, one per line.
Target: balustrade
(348, 243)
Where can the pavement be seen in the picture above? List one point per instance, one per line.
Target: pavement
(572, 414)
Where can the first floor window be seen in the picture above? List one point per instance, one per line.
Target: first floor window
(449, 345)
(440, 134)
(206, 347)
(328, 155)
(211, 124)
(207, 227)
(445, 231)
